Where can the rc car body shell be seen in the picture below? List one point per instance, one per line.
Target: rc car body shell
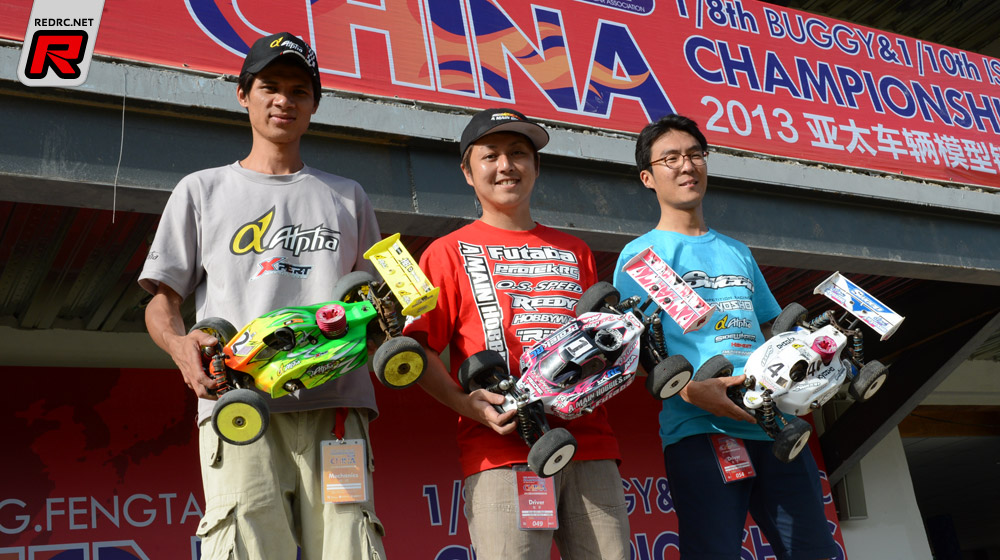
(313, 360)
(570, 371)
(775, 364)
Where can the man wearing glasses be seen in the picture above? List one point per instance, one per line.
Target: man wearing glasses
(705, 430)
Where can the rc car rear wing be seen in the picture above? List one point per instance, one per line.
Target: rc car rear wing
(669, 290)
(861, 304)
(403, 276)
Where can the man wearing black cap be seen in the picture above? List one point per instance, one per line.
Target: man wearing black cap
(506, 282)
(266, 232)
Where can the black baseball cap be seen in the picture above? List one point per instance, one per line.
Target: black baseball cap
(502, 120)
(267, 49)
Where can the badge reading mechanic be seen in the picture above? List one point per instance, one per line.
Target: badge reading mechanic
(59, 42)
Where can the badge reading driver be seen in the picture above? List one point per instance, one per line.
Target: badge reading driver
(536, 501)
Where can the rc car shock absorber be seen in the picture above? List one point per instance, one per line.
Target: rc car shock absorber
(525, 424)
(391, 318)
(659, 342)
(821, 320)
(218, 369)
(385, 304)
(767, 416)
(627, 305)
(857, 347)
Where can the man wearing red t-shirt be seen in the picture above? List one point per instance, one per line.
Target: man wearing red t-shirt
(507, 282)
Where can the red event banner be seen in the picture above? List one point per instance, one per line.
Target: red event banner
(757, 77)
(103, 463)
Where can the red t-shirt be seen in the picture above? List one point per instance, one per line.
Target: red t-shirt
(507, 290)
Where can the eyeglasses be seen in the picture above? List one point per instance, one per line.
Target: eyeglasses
(676, 161)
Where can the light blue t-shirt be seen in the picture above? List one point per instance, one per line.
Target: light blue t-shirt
(724, 273)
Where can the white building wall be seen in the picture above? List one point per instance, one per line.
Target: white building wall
(893, 529)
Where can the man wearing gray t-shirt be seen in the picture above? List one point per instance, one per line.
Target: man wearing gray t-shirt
(266, 232)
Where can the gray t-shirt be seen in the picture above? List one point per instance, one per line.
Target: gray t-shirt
(246, 243)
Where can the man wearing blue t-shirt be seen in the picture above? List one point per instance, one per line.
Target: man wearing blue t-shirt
(785, 500)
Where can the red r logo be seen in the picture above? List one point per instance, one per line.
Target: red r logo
(62, 51)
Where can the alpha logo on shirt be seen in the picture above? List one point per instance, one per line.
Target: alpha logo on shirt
(257, 237)
(734, 323)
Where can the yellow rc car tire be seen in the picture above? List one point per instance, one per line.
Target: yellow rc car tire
(399, 362)
(240, 416)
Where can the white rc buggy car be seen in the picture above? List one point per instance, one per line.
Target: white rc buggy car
(805, 363)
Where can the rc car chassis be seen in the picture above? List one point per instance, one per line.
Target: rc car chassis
(295, 348)
(807, 362)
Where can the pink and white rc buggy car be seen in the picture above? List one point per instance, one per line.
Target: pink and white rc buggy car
(589, 360)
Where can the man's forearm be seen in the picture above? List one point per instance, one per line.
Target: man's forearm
(163, 320)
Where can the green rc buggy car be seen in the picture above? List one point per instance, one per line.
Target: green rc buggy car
(296, 348)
